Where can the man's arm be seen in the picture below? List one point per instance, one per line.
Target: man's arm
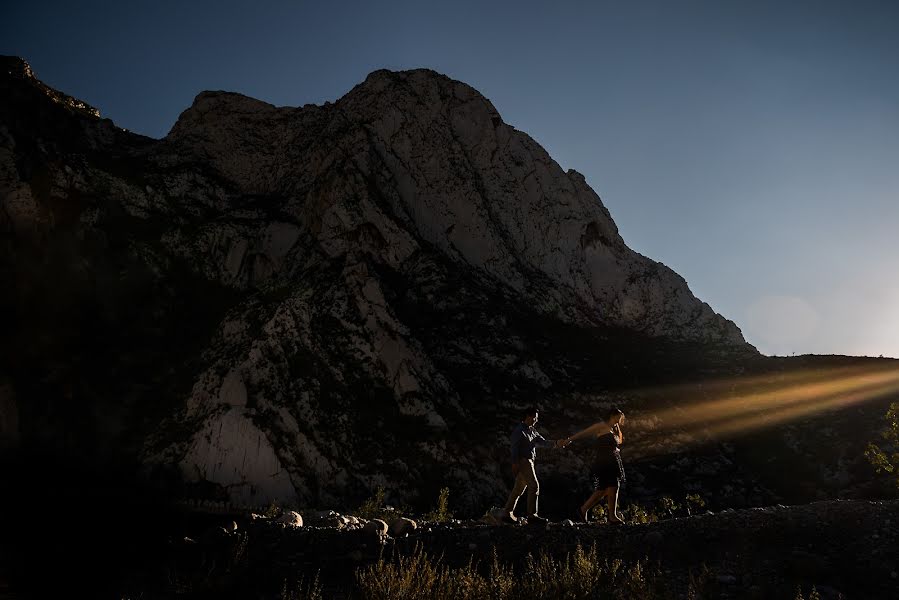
(592, 430)
(542, 442)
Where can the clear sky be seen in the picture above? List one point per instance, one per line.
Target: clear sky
(751, 146)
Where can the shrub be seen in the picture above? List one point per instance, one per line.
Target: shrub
(667, 506)
(441, 512)
(599, 512)
(885, 458)
(373, 507)
(637, 514)
(694, 503)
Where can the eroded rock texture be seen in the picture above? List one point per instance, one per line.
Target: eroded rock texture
(302, 303)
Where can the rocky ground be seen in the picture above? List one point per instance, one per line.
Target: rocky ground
(845, 549)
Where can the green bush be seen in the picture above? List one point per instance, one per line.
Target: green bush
(885, 458)
(694, 503)
(635, 513)
(373, 507)
(441, 512)
(668, 507)
(599, 512)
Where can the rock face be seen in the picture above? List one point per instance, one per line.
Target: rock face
(298, 304)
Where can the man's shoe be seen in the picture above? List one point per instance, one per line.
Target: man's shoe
(537, 520)
(509, 519)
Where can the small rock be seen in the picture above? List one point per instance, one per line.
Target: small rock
(290, 518)
(402, 526)
(255, 517)
(335, 522)
(567, 523)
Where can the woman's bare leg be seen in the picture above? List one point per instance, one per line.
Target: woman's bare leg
(590, 502)
(612, 495)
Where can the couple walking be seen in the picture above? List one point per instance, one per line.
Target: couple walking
(606, 471)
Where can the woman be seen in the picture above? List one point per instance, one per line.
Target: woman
(607, 471)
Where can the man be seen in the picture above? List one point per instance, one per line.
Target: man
(525, 440)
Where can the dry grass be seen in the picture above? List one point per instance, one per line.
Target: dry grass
(580, 574)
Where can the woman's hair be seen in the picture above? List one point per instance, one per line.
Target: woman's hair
(614, 411)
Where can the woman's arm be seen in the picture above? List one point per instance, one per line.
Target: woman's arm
(592, 430)
(619, 433)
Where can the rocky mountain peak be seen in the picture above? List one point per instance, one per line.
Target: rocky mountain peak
(400, 261)
(213, 109)
(429, 160)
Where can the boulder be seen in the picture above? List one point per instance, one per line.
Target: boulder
(290, 518)
(402, 526)
(377, 527)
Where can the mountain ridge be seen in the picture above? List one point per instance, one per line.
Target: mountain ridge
(300, 304)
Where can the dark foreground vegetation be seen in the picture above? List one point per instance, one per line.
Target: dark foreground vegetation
(117, 545)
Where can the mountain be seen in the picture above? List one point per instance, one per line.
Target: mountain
(299, 304)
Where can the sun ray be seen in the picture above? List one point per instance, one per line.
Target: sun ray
(710, 411)
(767, 402)
(810, 408)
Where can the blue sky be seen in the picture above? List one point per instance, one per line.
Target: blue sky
(751, 146)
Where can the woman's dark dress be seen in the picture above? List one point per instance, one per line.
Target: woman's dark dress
(607, 469)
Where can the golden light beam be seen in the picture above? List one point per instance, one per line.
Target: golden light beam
(711, 411)
(806, 395)
(781, 415)
(779, 379)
